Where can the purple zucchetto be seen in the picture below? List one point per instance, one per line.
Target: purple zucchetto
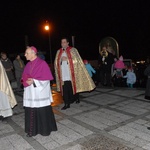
(34, 49)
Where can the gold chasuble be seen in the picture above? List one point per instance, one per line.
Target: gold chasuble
(80, 78)
(5, 86)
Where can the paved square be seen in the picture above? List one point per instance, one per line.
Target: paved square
(102, 118)
(14, 142)
(104, 99)
(112, 119)
(76, 108)
(127, 92)
(133, 106)
(135, 132)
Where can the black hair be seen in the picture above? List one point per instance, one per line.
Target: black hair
(17, 55)
(65, 38)
(3, 53)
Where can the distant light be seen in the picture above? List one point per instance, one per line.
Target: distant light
(140, 62)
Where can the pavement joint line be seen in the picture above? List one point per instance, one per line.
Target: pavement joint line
(100, 107)
(111, 90)
(121, 111)
(127, 97)
(116, 102)
(64, 116)
(123, 96)
(89, 102)
(142, 100)
(108, 107)
(20, 131)
(17, 113)
(97, 132)
(82, 96)
(93, 129)
(87, 126)
(120, 89)
(7, 134)
(93, 109)
(65, 146)
(146, 119)
(127, 121)
(57, 112)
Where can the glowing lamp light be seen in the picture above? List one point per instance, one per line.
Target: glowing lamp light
(47, 27)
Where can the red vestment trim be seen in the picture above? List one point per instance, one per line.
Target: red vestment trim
(71, 68)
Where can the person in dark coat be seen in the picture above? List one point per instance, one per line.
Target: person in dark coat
(147, 73)
(7, 64)
(106, 60)
(19, 66)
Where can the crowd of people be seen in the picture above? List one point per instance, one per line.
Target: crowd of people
(72, 75)
(13, 69)
(111, 71)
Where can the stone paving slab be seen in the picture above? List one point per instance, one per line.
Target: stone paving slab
(104, 89)
(14, 142)
(132, 106)
(19, 119)
(128, 92)
(87, 94)
(104, 99)
(76, 108)
(135, 132)
(77, 128)
(141, 97)
(76, 147)
(102, 118)
(5, 128)
(99, 143)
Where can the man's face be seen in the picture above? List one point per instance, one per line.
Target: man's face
(64, 43)
(104, 52)
(4, 56)
(28, 54)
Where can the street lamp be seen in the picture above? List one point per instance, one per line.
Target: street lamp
(47, 28)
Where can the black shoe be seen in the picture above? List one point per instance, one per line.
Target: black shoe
(65, 107)
(4, 120)
(71, 102)
(28, 135)
(148, 128)
(77, 101)
(1, 117)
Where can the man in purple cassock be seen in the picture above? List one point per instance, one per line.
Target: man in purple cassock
(39, 117)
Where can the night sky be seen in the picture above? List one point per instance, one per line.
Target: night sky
(128, 21)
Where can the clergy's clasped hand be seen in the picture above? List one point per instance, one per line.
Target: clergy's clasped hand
(64, 58)
(29, 81)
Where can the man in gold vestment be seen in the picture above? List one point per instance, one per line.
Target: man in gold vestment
(71, 74)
